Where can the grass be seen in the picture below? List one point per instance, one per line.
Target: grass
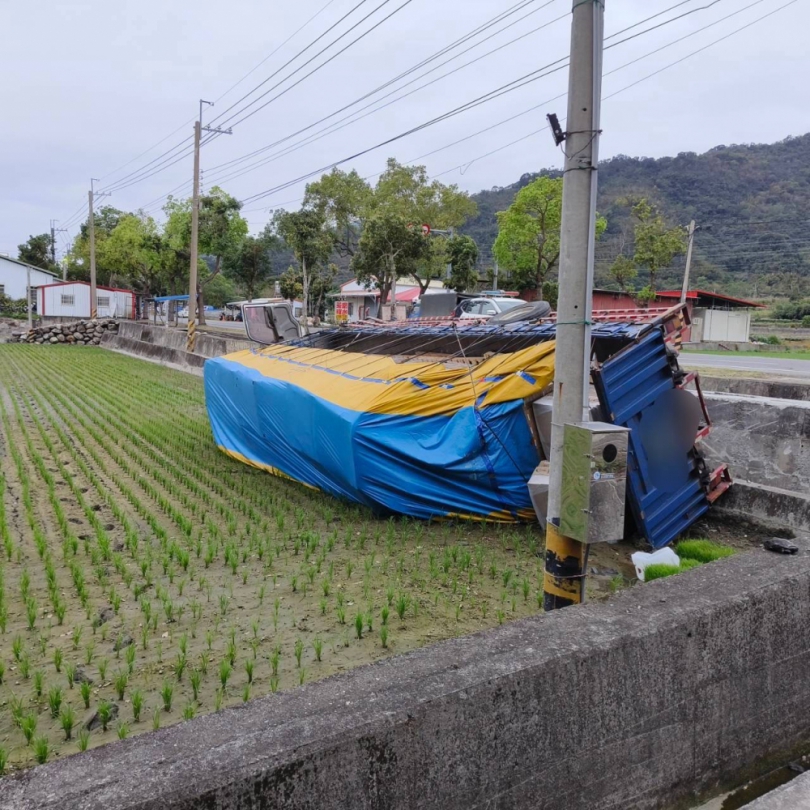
(703, 551)
(231, 583)
(693, 553)
(787, 354)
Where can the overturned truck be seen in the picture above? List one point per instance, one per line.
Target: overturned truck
(449, 419)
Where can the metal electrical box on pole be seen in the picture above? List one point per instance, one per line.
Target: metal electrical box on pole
(566, 558)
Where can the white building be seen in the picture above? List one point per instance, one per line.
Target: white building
(71, 299)
(362, 302)
(14, 277)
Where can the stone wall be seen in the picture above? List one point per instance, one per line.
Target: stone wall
(79, 333)
(662, 695)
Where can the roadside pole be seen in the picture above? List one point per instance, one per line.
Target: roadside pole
(566, 559)
(28, 296)
(191, 340)
(92, 228)
(685, 289)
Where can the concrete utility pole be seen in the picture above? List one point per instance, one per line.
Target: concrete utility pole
(54, 231)
(685, 289)
(566, 559)
(91, 224)
(28, 296)
(92, 232)
(195, 227)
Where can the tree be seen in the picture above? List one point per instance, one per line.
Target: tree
(656, 245)
(106, 220)
(342, 199)
(37, 251)
(290, 284)
(221, 231)
(135, 248)
(528, 242)
(623, 271)
(347, 202)
(462, 253)
(250, 265)
(388, 249)
(305, 233)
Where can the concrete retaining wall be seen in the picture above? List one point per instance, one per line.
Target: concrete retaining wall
(168, 346)
(764, 441)
(756, 387)
(667, 691)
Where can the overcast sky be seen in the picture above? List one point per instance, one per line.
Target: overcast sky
(89, 86)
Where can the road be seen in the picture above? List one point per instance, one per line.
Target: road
(772, 366)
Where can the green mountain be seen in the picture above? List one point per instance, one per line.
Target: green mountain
(752, 203)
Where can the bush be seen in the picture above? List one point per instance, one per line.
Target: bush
(792, 310)
(773, 340)
(806, 321)
(702, 551)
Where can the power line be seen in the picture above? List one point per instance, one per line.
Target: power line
(522, 81)
(318, 67)
(116, 185)
(357, 116)
(170, 162)
(476, 31)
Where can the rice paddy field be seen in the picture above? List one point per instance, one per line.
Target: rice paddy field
(147, 578)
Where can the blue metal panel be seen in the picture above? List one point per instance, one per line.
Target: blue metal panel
(628, 386)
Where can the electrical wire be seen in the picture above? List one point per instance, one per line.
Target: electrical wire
(402, 75)
(356, 116)
(516, 84)
(465, 38)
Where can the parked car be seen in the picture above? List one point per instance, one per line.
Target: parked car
(486, 307)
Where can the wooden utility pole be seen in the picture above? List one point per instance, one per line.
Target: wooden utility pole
(566, 559)
(685, 289)
(191, 341)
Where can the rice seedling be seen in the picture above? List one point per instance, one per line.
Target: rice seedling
(25, 666)
(39, 678)
(28, 726)
(358, 625)
(155, 719)
(105, 713)
(42, 750)
(84, 690)
(384, 636)
(55, 700)
(120, 682)
(122, 730)
(84, 739)
(102, 668)
(67, 719)
(317, 646)
(225, 670)
(704, 551)
(58, 657)
(166, 693)
(137, 704)
(189, 711)
(3, 760)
